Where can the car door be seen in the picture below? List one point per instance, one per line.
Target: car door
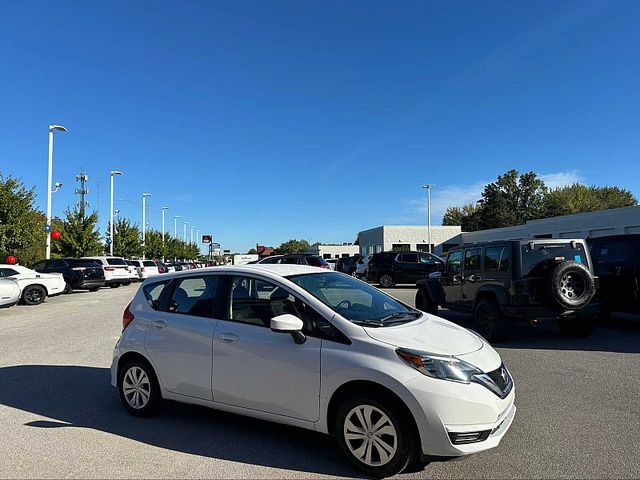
(406, 268)
(452, 280)
(179, 339)
(471, 276)
(256, 368)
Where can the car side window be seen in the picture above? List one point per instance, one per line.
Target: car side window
(290, 260)
(472, 260)
(153, 291)
(408, 258)
(57, 264)
(426, 258)
(454, 261)
(195, 296)
(257, 301)
(613, 252)
(39, 266)
(7, 272)
(496, 259)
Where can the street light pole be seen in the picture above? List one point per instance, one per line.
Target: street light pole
(175, 226)
(60, 128)
(163, 209)
(112, 174)
(429, 187)
(144, 225)
(192, 228)
(184, 231)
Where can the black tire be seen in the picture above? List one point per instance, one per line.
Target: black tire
(34, 295)
(114, 285)
(94, 289)
(386, 280)
(148, 383)
(578, 327)
(424, 302)
(67, 288)
(127, 283)
(406, 441)
(490, 322)
(571, 286)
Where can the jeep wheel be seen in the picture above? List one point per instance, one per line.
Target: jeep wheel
(579, 327)
(424, 302)
(490, 321)
(386, 280)
(572, 285)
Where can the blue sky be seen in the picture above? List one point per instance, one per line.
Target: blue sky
(264, 121)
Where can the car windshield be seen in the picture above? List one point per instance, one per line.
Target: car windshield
(355, 300)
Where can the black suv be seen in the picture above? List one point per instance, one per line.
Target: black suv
(616, 261)
(79, 274)
(390, 268)
(500, 282)
(348, 264)
(297, 259)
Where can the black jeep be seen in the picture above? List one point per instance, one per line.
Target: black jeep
(500, 282)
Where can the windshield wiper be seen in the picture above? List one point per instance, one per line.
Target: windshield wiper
(368, 323)
(396, 316)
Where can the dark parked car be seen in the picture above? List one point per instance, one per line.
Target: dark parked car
(500, 282)
(297, 259)
(348, 264)
(391, 268)
(616, 261)
(79, 274)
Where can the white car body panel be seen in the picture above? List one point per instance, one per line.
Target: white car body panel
(9, 292)
(362, 264)
(264, 374)
(53, 283)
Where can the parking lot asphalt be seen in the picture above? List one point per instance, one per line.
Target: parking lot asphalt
(578, 408)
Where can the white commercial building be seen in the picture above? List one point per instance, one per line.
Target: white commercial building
(582, 225)
(333, 251)
(407, 238)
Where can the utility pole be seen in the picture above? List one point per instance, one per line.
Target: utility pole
(83, 178)
(429, 187)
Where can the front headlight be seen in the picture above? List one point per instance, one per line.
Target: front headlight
(438, 366)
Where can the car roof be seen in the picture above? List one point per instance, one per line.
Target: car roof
(280, 270)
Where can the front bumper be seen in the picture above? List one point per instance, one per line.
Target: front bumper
(447, 408)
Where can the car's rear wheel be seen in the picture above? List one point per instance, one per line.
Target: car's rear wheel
(139, 389)
(490, 322)
(424, 302)
(94, 289)
(386, 280)
(375, 435)
(34, 295)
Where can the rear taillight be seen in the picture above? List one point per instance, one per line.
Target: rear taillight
(109, 269)
(127, 317)
(142, 269)
(324, 265)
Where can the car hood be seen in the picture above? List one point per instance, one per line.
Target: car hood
(429, 334)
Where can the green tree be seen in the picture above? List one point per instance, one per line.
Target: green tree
(21, 226)
(512, 199)
(467, 217)
(292, 246)
(579, 198)
(80, 236)
(128, 239)
(153, 245)
(252, 251)
(191, 251)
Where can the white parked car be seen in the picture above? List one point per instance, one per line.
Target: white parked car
(133, 270)
(9, 292)
(361, 266)
(145, 268)
(34, 286)
(116, 271)
(319, 350)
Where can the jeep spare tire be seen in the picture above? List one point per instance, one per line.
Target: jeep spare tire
(571, 285)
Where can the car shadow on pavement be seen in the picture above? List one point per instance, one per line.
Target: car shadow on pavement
(617, 333)
(79, 396)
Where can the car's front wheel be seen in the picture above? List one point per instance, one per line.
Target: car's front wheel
(375, 435)
(424, 303)
(139, 390)
(490, 321)
(34, 295)
(386, 280)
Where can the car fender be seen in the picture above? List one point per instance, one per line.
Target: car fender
(499, 292)
(433, 288)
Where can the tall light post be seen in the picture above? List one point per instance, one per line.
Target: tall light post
(175, 226)
(144, 225)
(184, 232)
(59, 128)
(112, 174)
(192, 229)
(428, 187)
(163, 209)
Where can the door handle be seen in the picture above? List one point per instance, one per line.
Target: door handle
(159, 324)
(229, 337)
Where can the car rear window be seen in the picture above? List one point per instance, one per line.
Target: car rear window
(546, 252)
(116, 261)
(316, 261)
(79, 262)
(149, 263)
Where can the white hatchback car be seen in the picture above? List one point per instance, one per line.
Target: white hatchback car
(34, 286)
(319, 350)
(9, 292)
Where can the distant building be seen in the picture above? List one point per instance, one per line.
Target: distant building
(333, 251)
(408, 238)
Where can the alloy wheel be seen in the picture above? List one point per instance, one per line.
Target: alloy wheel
(370, 435)
(572, 286)
(136, 387)
(35, 295)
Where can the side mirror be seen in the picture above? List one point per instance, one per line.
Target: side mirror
(291, 324)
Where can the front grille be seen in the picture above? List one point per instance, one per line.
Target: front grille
(501, 377)
(499, 381)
